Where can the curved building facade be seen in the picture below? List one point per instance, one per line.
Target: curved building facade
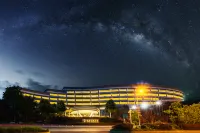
(98, 96)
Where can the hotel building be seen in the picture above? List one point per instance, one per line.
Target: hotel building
(90, 101)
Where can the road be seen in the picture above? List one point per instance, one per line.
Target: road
(79, 129)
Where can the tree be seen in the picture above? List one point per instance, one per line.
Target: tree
(14, 99)
(46, 109)
(110, 107)
(4, 112)
(174, 112)
(29, 108)
(134, 117)
(61, 108)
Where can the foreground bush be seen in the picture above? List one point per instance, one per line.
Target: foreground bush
(156, 127)
(122, 127)
(21, 129)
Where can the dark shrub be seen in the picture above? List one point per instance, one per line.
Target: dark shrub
(21, 129)
(123, 127)
(165, 127)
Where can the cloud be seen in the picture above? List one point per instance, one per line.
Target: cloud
(35, 85)
(20, 72)
(38, 74)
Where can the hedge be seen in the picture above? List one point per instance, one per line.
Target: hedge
(21, 129)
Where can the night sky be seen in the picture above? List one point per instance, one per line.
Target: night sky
(56, 43)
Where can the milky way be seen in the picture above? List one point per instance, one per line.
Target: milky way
(96, 42)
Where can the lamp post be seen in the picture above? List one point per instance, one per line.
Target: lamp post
(140, 90)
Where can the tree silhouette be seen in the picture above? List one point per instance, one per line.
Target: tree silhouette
(110, 107)
(61, 108)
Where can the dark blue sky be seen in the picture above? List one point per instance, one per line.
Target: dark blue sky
(56, 43)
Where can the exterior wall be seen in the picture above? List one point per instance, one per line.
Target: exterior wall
(99, 96)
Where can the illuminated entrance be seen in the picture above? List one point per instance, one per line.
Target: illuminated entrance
(84, 112)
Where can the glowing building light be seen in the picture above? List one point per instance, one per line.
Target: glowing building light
(158, 102)
(144, 105)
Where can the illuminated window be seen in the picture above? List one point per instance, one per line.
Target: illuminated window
(131, 102)
(94, 99)
(78, 91)
(83, 103)
(95, 103)
(60, 95)
(86, 99)
(131, 94)
(105, 95)
(154, 90)
(102, 103)
(71, 103)
(162, 95)
(79, 96)
(53, 102)
(147, 98)
(170, 95)
(85, 91)
(37, 101)
(115, 94)
(79, 99)
(61, 99)
(155, 99)
(47, 98)
(94, 95)
(123, 102)
(70, 99)
(52, 94)
(123, 98)
(131, 98)
(114, 90)
(94, 91)
(151, 94)
(86, 95)
(115, 99)
(131, 89)
(123, 94)
(37, 96)
(29, 95)
(162, 90)
(54, 99)
(122, 89)
(70, 96)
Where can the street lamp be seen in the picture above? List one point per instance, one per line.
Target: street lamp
(134, 107)
(144, 105)
(158, 103)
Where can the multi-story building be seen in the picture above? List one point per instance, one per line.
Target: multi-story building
(89, 101)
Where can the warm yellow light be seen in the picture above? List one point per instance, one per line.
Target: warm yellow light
(141, 89)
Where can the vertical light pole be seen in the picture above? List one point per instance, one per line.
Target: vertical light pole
(140, 90)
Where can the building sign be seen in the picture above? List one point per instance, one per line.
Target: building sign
(90, 120)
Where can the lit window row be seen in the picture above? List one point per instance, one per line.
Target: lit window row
(54, 99)
(47, 98)
(101, 95)
(94, 91)
(162, 95)
(94, 99)
(70, 95)
(53, 102)
(115, 94)
(29, 95)
(122, 89)
(61, 99)
(37, 96)
(94, 95)
(114, 90)
(154, 90)
(123, 94)
(70, 99)
(37, 101)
